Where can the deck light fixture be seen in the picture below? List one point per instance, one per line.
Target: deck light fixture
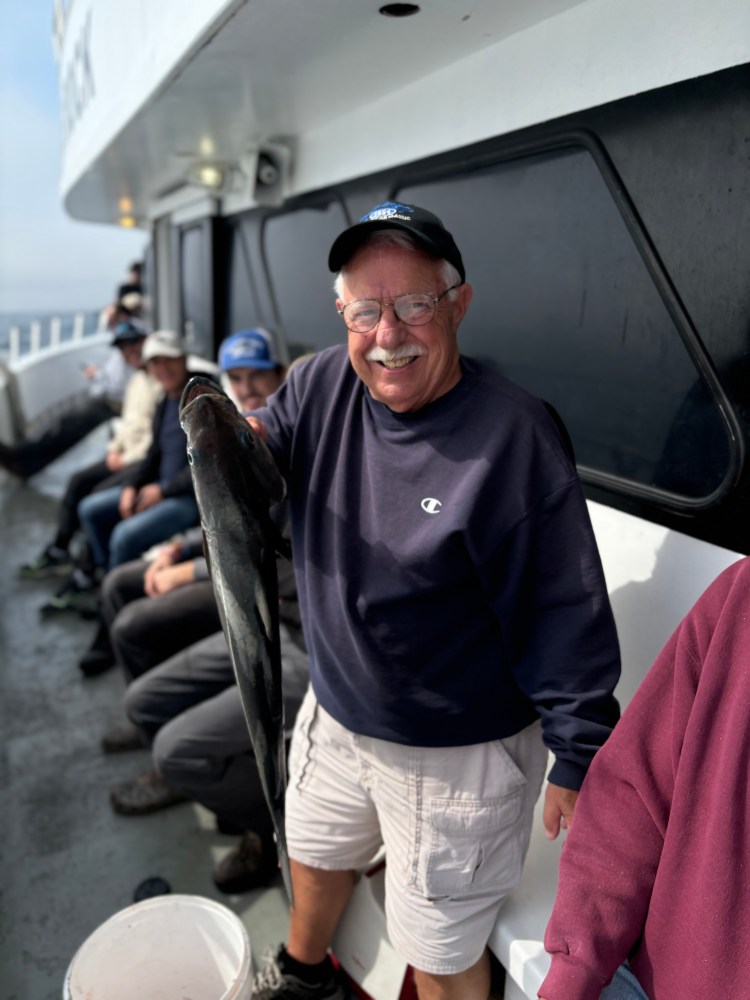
(207, 175)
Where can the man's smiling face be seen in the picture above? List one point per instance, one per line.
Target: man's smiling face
(405, 367)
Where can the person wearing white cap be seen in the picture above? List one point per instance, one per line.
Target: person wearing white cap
(157, 498)
(173, 585)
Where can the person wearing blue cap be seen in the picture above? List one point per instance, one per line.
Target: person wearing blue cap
(249, 361)
(178, 585)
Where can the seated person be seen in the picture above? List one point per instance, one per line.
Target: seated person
(249, 364)
(654, 867)
(141, 600)
(129, 444)
(157, 498)
(133, 282)
(248, 361)
(190, 708)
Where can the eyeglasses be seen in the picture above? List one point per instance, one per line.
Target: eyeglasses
(413, 308)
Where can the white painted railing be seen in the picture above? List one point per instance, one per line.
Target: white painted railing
(43, 368)
(48, 334)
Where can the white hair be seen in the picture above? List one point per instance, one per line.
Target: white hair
(398, 238)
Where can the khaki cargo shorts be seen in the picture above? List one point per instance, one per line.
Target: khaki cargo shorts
(455, 823)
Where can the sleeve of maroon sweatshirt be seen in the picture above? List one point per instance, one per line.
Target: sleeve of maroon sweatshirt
(609, 861)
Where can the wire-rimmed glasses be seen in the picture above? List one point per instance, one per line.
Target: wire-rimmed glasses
(412, 308)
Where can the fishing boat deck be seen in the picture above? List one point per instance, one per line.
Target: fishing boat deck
(67, 861)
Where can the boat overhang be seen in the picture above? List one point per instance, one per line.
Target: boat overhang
(164, 103)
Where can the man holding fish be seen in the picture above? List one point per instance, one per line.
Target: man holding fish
(454, 609)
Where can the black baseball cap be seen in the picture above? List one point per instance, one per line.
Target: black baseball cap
(425, 227)
(128, 332)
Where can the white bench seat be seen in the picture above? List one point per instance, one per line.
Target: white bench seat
(654, 576)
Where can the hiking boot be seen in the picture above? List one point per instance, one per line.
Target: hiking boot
(120, 739)
(277, 982)
(228, 828)
(143, 795)
(78, 593)
(53, 561)
(100, 655)
(95, 662)
(251, 864)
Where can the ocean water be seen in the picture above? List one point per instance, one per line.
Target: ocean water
(24, 320)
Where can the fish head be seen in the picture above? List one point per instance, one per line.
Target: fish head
(222, 444)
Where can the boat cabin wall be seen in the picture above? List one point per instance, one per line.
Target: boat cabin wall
(608, 252)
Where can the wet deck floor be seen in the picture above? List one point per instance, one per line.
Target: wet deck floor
(67, 861)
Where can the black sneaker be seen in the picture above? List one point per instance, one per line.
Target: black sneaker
(78, 593)
(276, 982)
(52, 562)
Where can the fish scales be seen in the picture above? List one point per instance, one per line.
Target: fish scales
(236, 483)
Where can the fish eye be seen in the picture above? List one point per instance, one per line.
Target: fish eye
(191, 457)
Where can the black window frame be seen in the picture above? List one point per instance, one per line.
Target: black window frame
(581, 138)
(320, 200)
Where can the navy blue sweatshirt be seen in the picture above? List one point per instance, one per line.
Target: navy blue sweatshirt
(450, 585)
(166, 460)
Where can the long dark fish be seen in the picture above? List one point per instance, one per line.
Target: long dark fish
(236, 482)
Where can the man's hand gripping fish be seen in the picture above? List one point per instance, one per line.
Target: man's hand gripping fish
(236, 482)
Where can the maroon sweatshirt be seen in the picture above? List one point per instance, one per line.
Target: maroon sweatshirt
(657, 865)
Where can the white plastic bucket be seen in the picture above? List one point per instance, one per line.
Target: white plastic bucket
(165, 948)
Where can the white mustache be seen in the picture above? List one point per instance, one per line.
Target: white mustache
(405, 351)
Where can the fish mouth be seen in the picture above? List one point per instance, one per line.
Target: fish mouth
(198, 386)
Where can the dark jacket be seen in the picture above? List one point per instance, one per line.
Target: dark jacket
(147, 471)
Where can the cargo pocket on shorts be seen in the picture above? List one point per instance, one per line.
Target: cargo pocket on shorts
(476, 844)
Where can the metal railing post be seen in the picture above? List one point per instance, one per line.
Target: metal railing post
(78, 326)
(54, 331)
(14, 343)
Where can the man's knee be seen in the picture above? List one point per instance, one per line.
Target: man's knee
(119, 588)
(182, 760)
(123, 544)
(144, 709)
(172, 759)
(126, 626)
(472, 984)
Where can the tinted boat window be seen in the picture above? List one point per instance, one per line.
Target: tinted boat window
(565, 306)
(296, 247)
(195, 262)
(242, 305)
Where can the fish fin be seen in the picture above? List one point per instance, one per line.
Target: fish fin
(283, 546)
(279, 540)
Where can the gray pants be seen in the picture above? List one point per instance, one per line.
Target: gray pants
(190, 706)
(145, 631)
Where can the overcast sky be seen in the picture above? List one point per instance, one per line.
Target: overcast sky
(47, 260)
